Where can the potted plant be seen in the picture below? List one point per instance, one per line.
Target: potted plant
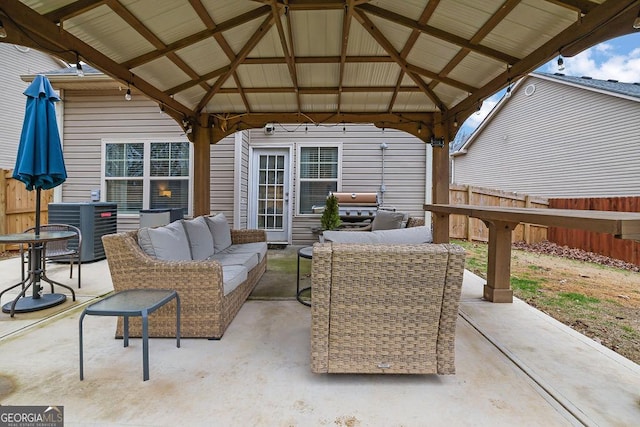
(330, 219)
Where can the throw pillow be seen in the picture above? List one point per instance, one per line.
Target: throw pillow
(387, 220)
(220, 231)
(168, 243)
(200, 239)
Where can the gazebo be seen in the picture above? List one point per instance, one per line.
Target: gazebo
(222, 66)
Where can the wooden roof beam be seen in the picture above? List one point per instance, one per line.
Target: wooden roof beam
(346, 28)
(417, 124)
(75, 8)
(248, 47)
(33, 23)
(277, 12)
(197, 37)
(437, 33)
(411, 41)
(388, 47)
(597, 21)
(488, 26)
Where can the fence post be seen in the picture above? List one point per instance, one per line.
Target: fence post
(527, 227)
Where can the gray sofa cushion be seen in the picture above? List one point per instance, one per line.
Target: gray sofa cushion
(259, 248)
(413, 235)
(200, 238)
(220, 231)
(232, 277)
(247, 260)
(387, 220)
(168, 243)
(350, 236)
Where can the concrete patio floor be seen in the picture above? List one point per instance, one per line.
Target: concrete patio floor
(515, 366)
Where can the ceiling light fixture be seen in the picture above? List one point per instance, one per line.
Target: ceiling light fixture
(79, 70)
(560, 63)
(3, 31)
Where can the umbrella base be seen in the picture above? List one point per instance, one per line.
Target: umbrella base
(29, 304)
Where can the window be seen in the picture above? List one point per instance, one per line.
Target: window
(318, 175)
(147, 175)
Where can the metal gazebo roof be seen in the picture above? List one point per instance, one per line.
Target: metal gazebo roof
(220, 66)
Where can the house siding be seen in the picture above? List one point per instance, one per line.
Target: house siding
(405, 166)
(561, 141)
(90, 117)
(15, 63)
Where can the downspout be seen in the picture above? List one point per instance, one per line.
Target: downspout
(383, 188)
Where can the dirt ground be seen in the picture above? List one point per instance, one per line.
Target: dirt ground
(585, 293)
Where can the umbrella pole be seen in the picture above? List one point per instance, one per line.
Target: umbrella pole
(37, 254)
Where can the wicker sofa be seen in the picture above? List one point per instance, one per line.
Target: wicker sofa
(209, 299)
(385, 308)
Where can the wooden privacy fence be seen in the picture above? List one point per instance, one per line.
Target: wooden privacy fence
(463, 227)
(18, 206)
(600, 243)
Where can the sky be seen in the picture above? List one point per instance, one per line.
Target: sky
(617, 59)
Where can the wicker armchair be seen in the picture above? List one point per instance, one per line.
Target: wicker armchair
(382, 308)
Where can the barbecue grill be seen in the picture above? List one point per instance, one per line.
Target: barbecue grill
(357, 207)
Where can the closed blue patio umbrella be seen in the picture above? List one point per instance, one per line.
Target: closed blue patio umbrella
(39, 165)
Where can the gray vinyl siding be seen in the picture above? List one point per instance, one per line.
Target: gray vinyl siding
(222, 177)
(562, 141)
(90, 117)
(12, 102)
(405, 166)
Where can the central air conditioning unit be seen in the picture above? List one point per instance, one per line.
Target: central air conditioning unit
(94, 221)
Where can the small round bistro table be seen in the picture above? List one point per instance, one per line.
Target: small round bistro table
(306, 253)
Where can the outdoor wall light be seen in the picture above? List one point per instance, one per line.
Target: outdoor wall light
(3, 31)
(437, 142)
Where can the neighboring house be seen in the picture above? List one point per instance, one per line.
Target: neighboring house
(557, 137)
(16, 61)
(260, 178)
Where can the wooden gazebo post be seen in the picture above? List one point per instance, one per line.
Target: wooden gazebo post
(440, 181)
(201, 167)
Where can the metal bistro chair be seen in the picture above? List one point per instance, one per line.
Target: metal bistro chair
(58, 250)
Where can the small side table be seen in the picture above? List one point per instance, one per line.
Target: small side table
(306, 253)
(133, 302)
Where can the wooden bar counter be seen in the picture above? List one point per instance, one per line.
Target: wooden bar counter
(502, 220)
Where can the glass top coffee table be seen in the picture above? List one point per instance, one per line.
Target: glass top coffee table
(133, 302)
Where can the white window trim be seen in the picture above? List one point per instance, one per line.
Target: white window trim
(146, 178)
(299, 147)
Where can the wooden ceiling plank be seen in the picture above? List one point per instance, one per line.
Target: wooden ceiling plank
(34, 23)
(253, 41)
(388, 47)
(197, 37)
(437, 33)
(73, 9)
